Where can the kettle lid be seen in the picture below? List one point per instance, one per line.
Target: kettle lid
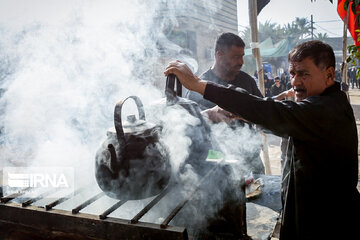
(132, 125)
(132, 121)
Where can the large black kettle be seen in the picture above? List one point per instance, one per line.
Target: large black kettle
(132, 163)
(199, 134)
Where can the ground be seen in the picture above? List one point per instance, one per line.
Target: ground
(355, 102)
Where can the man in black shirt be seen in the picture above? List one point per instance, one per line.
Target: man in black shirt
(226, 70)
(229, 53)
(276, 88)
(320, 199)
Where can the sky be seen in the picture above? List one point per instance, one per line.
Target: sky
(279, 11)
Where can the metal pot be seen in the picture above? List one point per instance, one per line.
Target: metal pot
(199, 134)
(132, 163)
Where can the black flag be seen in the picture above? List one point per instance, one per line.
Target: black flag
(261, 4)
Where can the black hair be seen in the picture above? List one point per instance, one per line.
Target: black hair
(226, 40)
(321, 53)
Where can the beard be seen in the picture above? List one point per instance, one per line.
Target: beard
(233, 70)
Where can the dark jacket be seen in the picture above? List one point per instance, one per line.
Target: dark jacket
(275, 90)
(320, 199)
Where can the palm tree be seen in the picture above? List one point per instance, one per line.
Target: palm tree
(291, 30)
(298, 30)
(321, 36)
(246, 35)
(266, 30)
(272, 30)
(304, 27)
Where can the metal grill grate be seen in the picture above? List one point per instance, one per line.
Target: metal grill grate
(18, 209)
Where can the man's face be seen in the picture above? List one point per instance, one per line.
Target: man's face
(277, 82)
(309, 80)
(231, 60)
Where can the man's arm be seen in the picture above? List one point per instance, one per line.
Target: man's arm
(217, 114)
(283, 95)
(282, 118)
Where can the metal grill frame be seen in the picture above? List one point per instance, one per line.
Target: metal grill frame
(92, 226)
(82, 224)
(47, 219)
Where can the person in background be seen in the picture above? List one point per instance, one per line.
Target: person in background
(352, 77)
(338, 75)
(255, 74)
(267, 85)
(356, 79)
(319, 194)
(226, 71)
(277, 87)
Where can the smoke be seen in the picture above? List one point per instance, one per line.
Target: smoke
(65, 64)
(241, 146)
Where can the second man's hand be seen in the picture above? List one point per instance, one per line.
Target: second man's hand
(186, 76)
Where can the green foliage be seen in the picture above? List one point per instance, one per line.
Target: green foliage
(270, 29)
(354, 54)
(321, 36)
(296, 31)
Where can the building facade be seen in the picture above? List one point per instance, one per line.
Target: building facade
(197, 25)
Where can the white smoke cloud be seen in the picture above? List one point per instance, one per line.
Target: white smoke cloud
(74, 61)
(65, 64)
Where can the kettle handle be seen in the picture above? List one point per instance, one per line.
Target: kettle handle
(117, 117)
(171, 95)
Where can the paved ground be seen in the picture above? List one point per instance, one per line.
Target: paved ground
(274, 142)
(355, 103)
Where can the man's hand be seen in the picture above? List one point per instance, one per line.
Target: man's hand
(217, 114)
(290, 93)
(186, 77)
(285, 94)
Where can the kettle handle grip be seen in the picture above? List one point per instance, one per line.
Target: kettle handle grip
(117, 117)
(170, 92)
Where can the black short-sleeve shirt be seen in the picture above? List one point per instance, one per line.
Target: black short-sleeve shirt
(242, 80)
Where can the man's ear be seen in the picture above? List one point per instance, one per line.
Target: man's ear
(330, 75)
(219, 53)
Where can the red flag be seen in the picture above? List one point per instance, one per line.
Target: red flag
(352, 25)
